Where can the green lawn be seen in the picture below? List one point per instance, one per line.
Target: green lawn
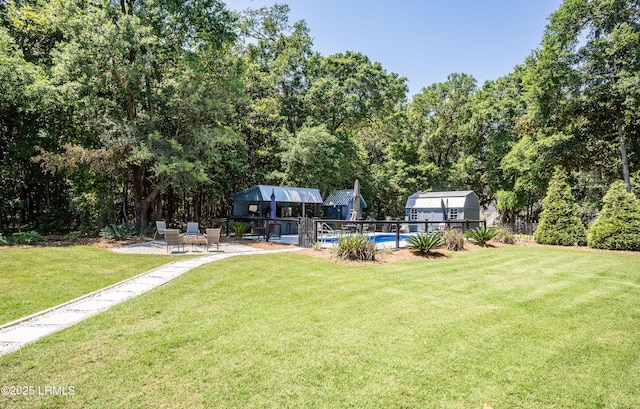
(517, 327)
(36, 278)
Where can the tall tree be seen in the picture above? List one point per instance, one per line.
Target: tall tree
(275, 53)
(441, 118)
(348, 91)
(137, 72)
(28, 104)
(585, 85)
(315, 158)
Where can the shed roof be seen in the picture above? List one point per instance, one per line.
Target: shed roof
(452, 199)
(342, 198)
(262, 193)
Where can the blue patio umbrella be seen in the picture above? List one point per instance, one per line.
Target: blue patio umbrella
(444, 210)
(272, 214)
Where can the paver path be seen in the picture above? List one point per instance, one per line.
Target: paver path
(16, 334)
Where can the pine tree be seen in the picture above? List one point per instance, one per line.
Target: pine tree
(617, 226)
(559, 222)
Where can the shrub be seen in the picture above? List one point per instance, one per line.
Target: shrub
(150, 229)
(524, 239)
(425, 242)
(3, 240)
(482, 235)
(31, 237)
(239, 228)
(618, 223)
(72, 235)
(559, 221)
(505, 236)
(454, 240)
(355, 247)
(122, 232)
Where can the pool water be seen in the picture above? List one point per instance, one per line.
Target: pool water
(379, 238)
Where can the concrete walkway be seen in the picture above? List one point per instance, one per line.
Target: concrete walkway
(16, 334)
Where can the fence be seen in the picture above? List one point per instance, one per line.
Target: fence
(323, 228)
(520, 227)
(309, 230)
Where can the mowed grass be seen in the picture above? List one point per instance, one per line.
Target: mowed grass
(515, 327)
(33, 279)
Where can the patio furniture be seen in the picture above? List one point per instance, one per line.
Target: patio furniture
(161, 226)
(192, 229)
(258, 230)
(174, 238)
(194, 239)
(274, 230)
(213, 237)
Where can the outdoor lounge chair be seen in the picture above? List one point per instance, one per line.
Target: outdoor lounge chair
(192, 229)
(173, 238)
(213, 237)
(258, 230)
(161, 226)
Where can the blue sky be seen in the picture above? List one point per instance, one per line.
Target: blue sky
(426, 40)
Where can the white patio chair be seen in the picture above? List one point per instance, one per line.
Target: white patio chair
(161, 226)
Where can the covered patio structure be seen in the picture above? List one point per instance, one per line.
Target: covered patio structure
(290, 203)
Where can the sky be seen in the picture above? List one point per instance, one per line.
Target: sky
(424, 40)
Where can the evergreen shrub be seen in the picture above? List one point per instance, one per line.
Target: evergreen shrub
(617, 226)
(123, 231)
(559, 221)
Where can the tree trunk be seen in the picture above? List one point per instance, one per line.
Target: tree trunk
(623, 154)
(143, 203)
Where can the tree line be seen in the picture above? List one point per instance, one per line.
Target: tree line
(136, 110)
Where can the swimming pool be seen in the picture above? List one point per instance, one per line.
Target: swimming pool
(378, 238)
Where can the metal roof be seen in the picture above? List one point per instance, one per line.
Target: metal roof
(342, 198)
(262, 193)
(433, 200)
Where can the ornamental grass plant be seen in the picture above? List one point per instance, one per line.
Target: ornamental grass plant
(355, 247)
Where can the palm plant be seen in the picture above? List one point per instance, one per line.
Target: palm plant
(482, 235)
(239, 228)
(425, 242)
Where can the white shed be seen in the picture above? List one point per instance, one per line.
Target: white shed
(438, 206)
